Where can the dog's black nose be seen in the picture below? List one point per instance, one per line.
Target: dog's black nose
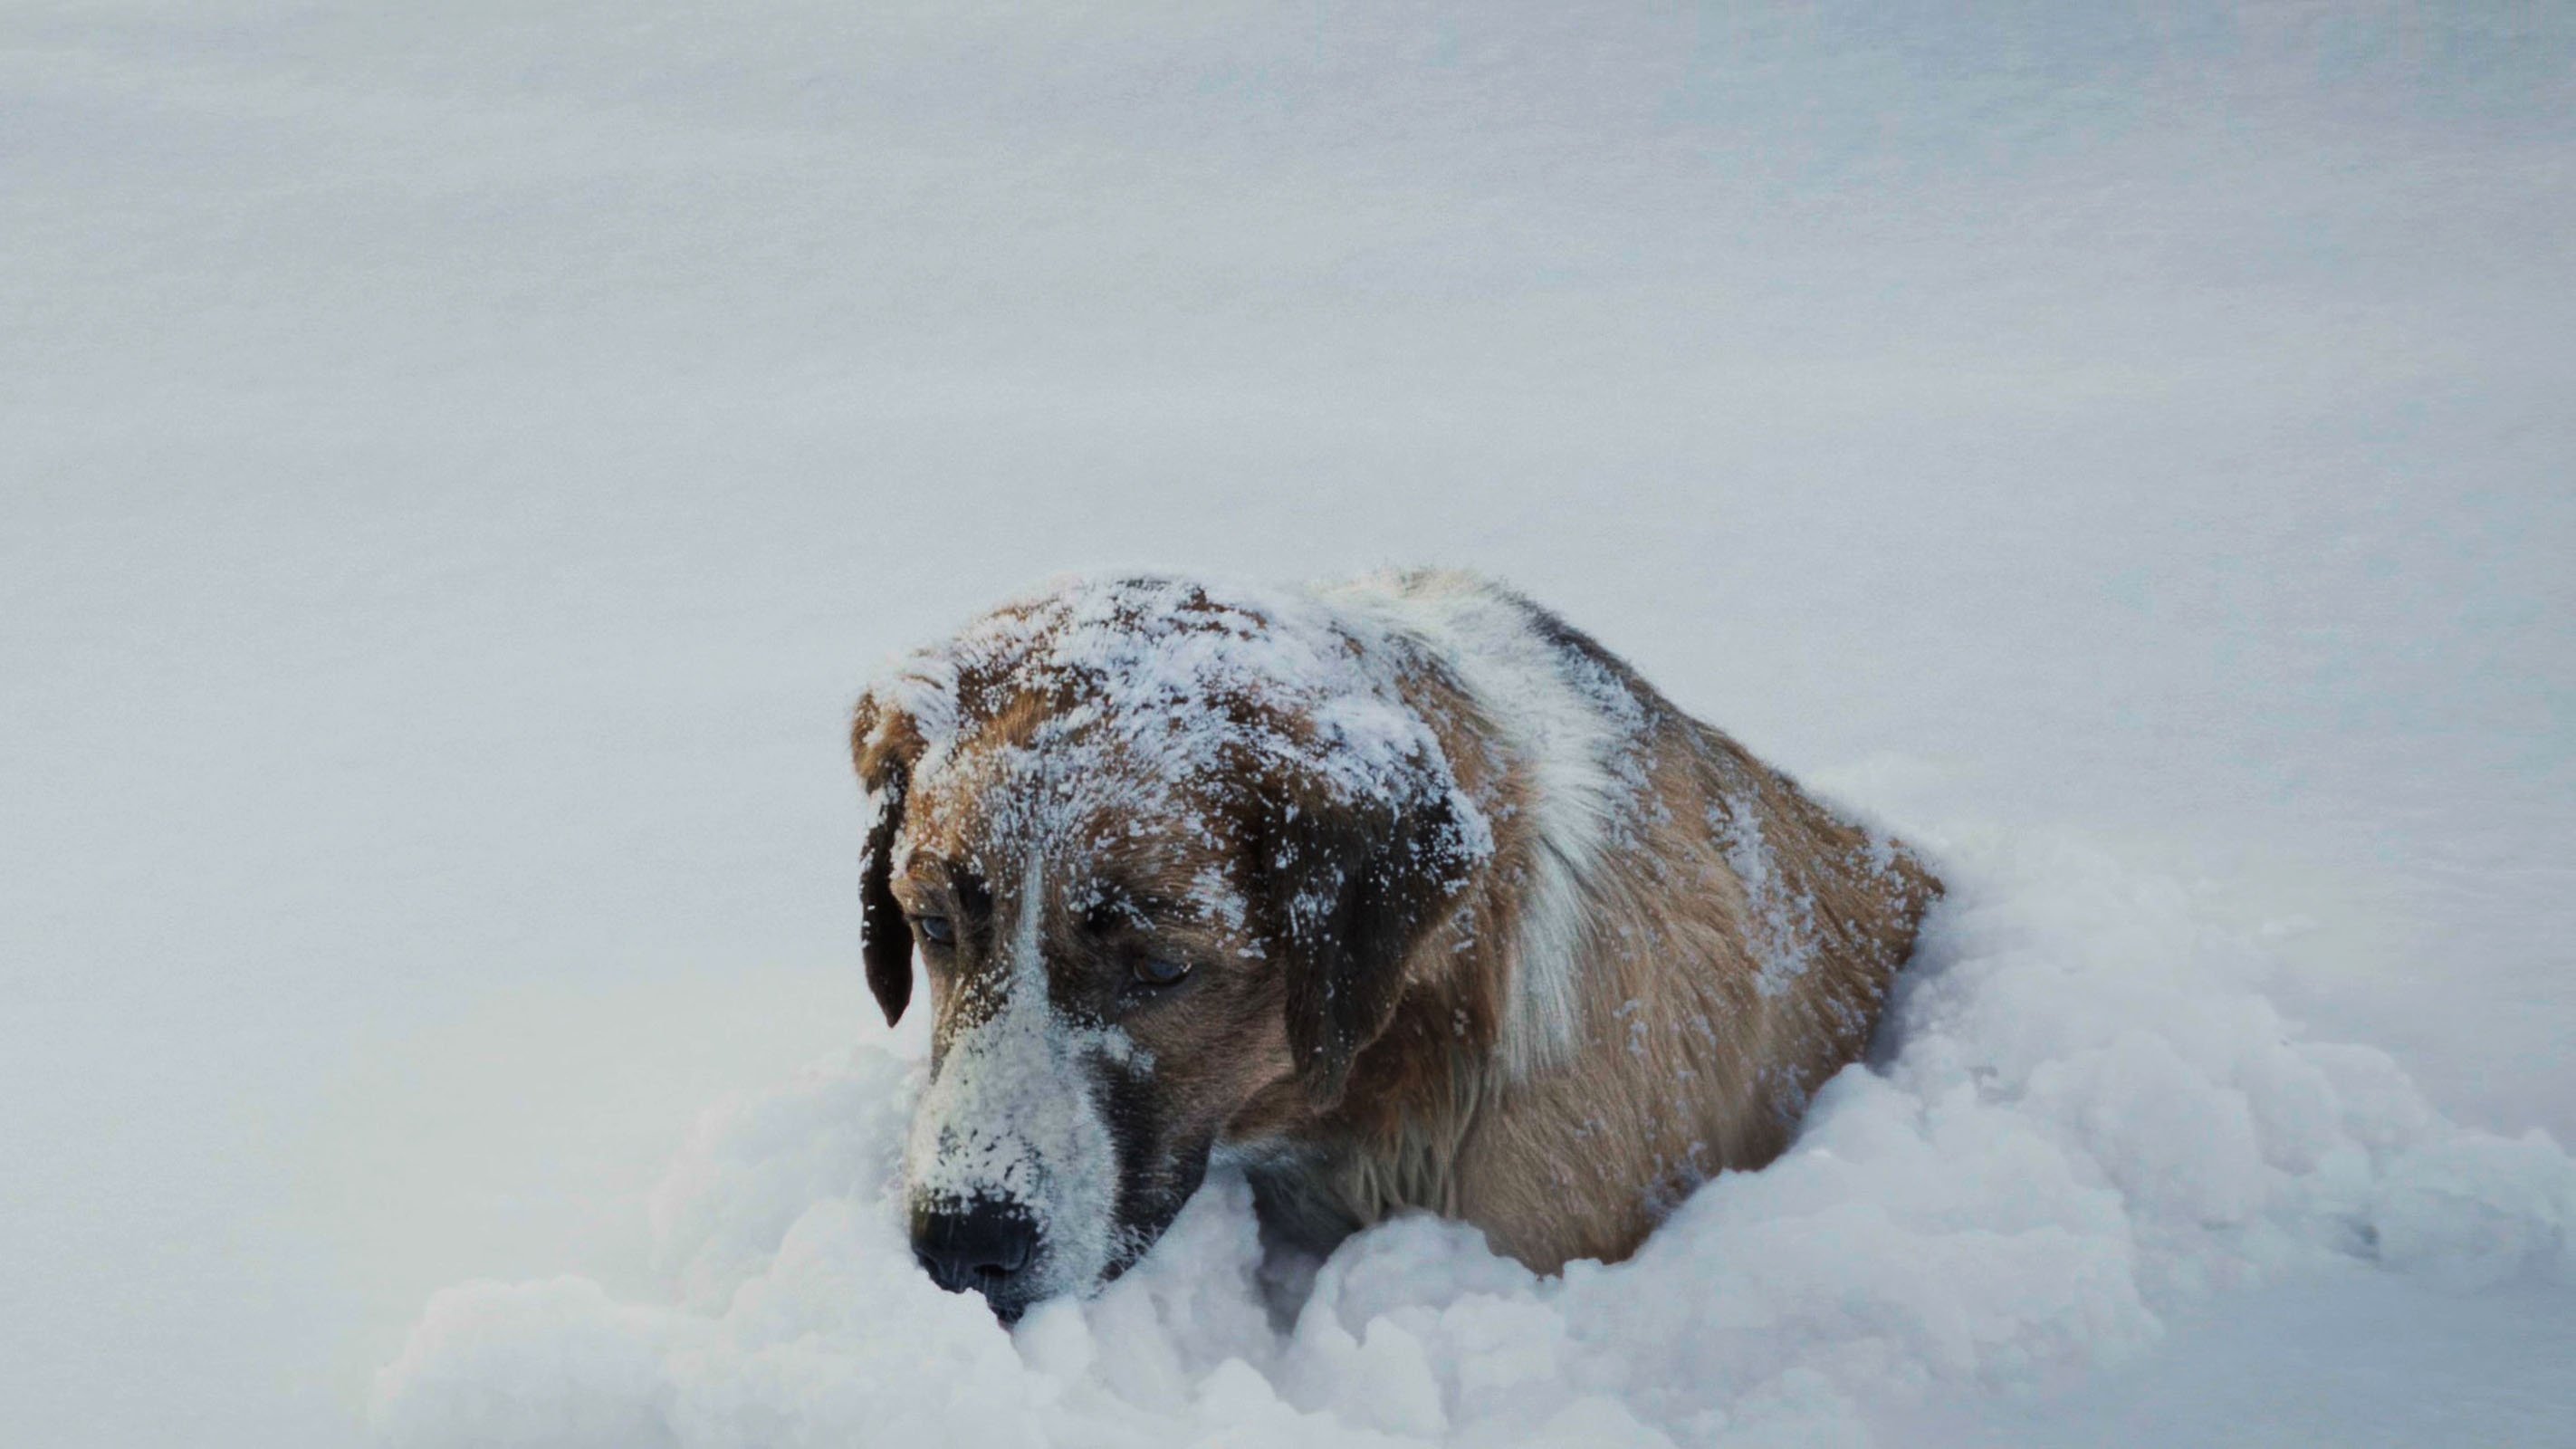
(983, 1245)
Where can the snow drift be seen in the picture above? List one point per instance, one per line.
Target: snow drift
(2085, 1115)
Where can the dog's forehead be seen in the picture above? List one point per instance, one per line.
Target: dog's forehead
(1059, 793)
(1130, 723)
(1148, 680)
(1095, 825)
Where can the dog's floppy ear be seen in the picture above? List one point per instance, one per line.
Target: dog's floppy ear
(1351, 885)
(884, 742)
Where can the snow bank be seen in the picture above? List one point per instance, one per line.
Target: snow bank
(2086, 1116)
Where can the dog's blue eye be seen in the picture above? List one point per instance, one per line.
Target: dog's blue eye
(938, 930)
(1154, 971)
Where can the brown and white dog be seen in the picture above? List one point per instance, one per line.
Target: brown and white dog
(1399, 893)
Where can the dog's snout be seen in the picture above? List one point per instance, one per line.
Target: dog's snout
(983, 1246)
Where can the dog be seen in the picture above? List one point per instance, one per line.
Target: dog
(1396, 894)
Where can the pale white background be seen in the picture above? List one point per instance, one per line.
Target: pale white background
(458, 462)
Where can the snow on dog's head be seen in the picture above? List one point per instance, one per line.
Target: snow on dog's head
(1138, 833)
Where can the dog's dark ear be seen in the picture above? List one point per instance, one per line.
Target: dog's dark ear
(884, 742)
(1351, 887)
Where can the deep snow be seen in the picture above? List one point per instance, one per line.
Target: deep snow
(462, 462)
(2090, 1121)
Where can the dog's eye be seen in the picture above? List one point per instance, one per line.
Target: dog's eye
(1156, 971)
(938, 930)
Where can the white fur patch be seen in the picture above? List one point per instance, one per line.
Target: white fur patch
(1577, 731)
(1012, 1115)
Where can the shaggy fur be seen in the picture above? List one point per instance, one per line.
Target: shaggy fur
(1467, 918)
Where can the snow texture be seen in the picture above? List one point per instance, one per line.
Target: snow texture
(2087, 1118)
(1781, 921)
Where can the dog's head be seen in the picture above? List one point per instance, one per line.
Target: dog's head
(1161, 853)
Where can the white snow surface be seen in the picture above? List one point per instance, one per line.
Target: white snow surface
(2090, 1119)
(462, 461)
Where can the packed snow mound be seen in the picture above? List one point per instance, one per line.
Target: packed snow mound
(2086, 1116)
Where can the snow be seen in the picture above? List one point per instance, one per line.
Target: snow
(2091, 1121)
(462, 463)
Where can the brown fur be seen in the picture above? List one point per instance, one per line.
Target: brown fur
(1685, 1064)
(1685, 1068)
